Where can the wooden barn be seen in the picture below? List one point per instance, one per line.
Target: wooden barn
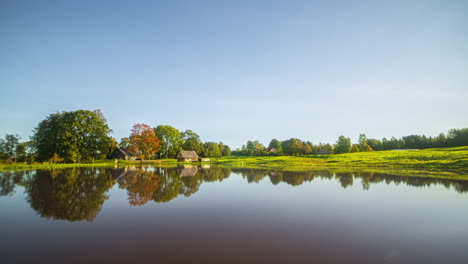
(121, 154)
(323, 152)
(187, 155)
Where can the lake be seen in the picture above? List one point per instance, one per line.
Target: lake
(208, 214)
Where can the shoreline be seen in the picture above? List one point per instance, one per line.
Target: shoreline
(448, 162)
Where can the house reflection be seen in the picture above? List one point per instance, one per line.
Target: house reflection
(187, 170)
(77, 194)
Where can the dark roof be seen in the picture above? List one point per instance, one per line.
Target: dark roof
(323, 152)
(123, 152)
(187, 154)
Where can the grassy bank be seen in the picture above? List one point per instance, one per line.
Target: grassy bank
(99, 163)
(447, 159)
(445, 162)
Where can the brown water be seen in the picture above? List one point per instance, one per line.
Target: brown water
(216, 215)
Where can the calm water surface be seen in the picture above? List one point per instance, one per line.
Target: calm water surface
(218, 215)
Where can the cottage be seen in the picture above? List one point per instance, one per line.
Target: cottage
(122, 154)
(187, 155)
(323, 152)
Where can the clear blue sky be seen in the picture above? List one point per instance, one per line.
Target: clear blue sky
(239, 70)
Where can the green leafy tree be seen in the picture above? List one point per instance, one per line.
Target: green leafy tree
(276, 144)
(343, 145)
(76, 136)
(124, 143)
(354, 148)
(211, 150)
(254, 148)
(225, 149)
(375, 144)
(307, 148)
(363, 143)
(293, 147)
(458, 137)
(25, 152)
(9, 146)
(171, 141)
(441, 141)
(192, 141)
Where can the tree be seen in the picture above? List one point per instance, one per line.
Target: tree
(343, 145)
(363, 143)
(276, 144)
(441, 141)
(293, 147)
(124, 143)
(254, 148)
(171, 141)
(394, 143)
(75, 136)
(8, 147)
(143, 141)
(307, 148)
(25, 152)
(211, 150)
(225, 149)
(192, 141)
(375, 144)
(354, 148)
(458, 137)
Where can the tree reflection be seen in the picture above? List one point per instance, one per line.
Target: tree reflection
(7, 183)
(72, 194)
(175, 182)
(346, 179)
(140, 185)
(78, 194)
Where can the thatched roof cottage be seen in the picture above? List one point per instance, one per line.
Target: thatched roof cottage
(187, 155)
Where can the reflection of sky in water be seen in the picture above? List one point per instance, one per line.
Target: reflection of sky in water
(317, 220)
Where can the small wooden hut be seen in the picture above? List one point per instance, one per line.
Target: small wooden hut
(187, 156)
(122, 154)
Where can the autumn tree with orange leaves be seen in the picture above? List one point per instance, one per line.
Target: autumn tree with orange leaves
(143, 141)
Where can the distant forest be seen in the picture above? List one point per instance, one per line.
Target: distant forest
(84, 136)
(295, 146)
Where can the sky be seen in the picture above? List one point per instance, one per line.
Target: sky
(240, 70)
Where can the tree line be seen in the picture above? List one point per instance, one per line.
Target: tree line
(165, 141)
(84, 136)
(295, 146)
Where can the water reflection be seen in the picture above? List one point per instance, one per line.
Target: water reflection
(346, 179)
(73, 194)
(78, 194)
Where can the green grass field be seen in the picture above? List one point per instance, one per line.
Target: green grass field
(447, 162)
(454, 159)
